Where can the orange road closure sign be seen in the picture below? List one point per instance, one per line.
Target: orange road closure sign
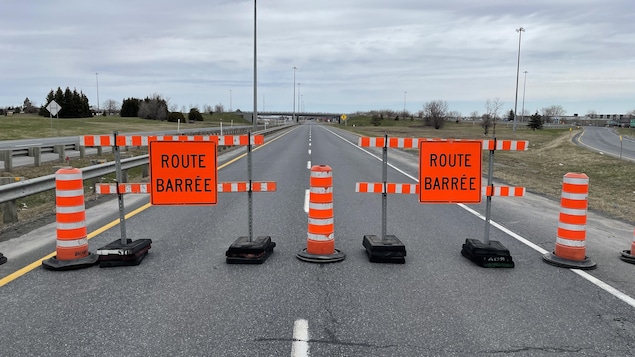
(183, 172)
(450, 171)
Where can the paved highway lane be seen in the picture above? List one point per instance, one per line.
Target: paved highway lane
(607, 141)
(183, 300)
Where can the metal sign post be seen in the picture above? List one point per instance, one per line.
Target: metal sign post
(249, 192)
(122, 213)
(488, 204)
(384, 196)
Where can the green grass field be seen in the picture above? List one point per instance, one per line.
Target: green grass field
(25, 126)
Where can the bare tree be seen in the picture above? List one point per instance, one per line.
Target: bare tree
(434, 113)
(219, 108)
(553, 112)
(474, 115)
(592, 113)
(153, 108)
(489, 118)
(111, 106)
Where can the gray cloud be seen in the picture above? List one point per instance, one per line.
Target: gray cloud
(351, 55)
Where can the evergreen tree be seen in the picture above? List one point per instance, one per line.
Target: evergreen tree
(130, 108)
(535, 121)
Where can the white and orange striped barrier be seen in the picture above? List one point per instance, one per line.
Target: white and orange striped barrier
(122, 188)
(629, 255)
(378, 187)
(70, 214)
(413, 143)
(503, 191)
(265, 186)
(570, 249)
(411, 189)
(113, 188)
(142, 140)
(320, 233)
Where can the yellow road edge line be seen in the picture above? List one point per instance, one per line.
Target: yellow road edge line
(20, 272)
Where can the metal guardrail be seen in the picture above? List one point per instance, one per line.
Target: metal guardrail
(21, 189)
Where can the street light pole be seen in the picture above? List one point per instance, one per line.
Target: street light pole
(97, 80)
(230, 100)
(255, 114)
(520, 33)
(522, 112)
(404, 103)
(299, 99)
(294, 68)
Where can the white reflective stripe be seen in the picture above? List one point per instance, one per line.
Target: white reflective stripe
(321, 174)
(572, 227)
(234, 187)
(69, 226)
(576, 180)
(398, 188)
(573, 212)
(321, 189)
(320, 206)
(575, 196)
(70, 209)
(320, 236)
(400, 142)
(571, 242)
(69, 193)
(320, 222)
(69, 177)
(72, 243)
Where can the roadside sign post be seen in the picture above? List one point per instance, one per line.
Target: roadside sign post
(119, 176)
(53, 109)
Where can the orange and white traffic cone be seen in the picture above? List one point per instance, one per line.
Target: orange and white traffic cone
(570, 250)
(320, 242)
(629, 255)
(72, 243)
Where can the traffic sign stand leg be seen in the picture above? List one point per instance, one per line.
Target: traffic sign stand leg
(388, 249)
(3, 259)
(246, 250)
(488, 254)
(123, 251)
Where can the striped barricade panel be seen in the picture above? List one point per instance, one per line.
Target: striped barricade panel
(243, 186)
(413, 143)
(392, 188)
(111, 188)
(507, 145)
(503, 191)
(95, 140)
(141, 140)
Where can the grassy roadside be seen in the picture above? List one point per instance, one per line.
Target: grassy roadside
(27, 126)
(540, 169)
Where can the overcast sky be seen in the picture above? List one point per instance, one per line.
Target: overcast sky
(351, 55)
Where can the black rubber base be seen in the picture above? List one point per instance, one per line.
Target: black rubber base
(116, 254)
(390, 250)
(321, 258)
(3, 259)
(242, 251)
(627, 257)
(586, 264)
(492, 255)
(55, 264)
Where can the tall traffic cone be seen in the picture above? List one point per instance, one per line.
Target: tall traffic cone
(629, 255)
(570, 251)
(320, 242)
(72, 243)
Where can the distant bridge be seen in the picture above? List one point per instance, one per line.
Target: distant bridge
(248, 115)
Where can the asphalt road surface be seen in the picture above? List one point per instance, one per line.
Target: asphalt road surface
(184, 300)
(607, 141)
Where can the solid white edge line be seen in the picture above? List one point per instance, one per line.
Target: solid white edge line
(590, 278)
(306, 200)
(300, 346)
